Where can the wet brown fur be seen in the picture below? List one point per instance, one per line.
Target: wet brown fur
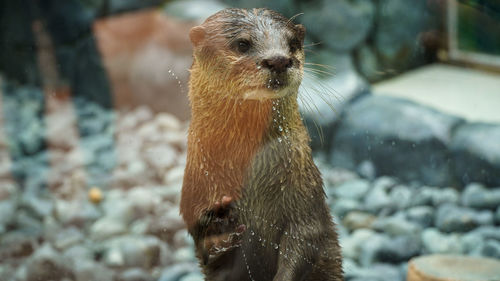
(237, 148)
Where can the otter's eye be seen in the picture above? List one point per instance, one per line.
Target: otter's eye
(295, 45)
(243, 46)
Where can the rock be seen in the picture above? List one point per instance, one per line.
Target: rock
(322, 99)
(288, 8)
(399, 249)
(397, 136)
(351, 245)
(376, 272)
(491, 248)
(76, 212)
(341, 207)
(160, 157)
(477, 196)
(476, 154)
(422, 215)
(135, 251)
(340, 25)
(182, 239)
(88, 270)
(488, 232)
(68, 237)
(369, 249)
(352, 189)
(497, 215)
(445, 195)
(176, 271)
(144, 200)
(357, 220)
(396, 225)
(378, 199)
(395, 36)
(402, 195)
(193, 276)
(472, 243)
(193, 10)
(107, 227)
(451, 218)
(17, 244)
(135, 274)
(184, 254)
(437, 242)
(7, 209)
(368, 63)
(47, 264)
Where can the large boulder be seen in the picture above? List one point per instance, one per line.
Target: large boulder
(399, 137)
(475, 149)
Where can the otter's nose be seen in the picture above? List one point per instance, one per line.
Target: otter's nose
(277, 64)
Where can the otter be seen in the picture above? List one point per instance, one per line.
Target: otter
(252, 197)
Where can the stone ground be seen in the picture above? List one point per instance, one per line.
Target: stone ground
(131, 230)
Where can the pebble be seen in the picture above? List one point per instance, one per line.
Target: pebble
(356, 220)
(451, 218)
(352, 189)
(477, 196)
(436, 242)
(176, 271)
(396, 225)
(422, 215)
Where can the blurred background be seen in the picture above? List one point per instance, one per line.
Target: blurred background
(402, 101)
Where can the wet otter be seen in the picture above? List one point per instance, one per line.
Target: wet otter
(252, 197)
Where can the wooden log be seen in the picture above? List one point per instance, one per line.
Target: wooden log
(453, 268)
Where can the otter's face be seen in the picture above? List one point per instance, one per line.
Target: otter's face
(251, 54)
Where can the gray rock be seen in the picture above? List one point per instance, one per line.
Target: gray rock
(396, 225)
(88, 270)
(47, 264)
(353, 189)
(378, 199)
(17, 244)
(491, 248)
(37, 204)
(351, 244)
(401, 138)
(451, 218)
(445, 195)
(472, 243)
(476, 153)
(341, 25)
(488, 232)
(399, 249)
(184, 254)
(135, 251)
(368, 63)
(422, 215)
(435, 242)
(194, 10)
(323, 98)
(402, 195)
(135, 274)
(477, 196)
(107, 227)
(7, 209)
(176, 271)
(68, 237)
(497, 215)
(341, 207)
(368, 251)
(357, 220)
(376, 272)
(193, 276)
(395, 36)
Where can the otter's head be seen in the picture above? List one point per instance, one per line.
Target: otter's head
(249, 54)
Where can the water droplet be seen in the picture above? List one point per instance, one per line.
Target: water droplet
(206, 173)
(280, 128)
(253, 233)
(279, 139)
(276, 246)
(274, 107)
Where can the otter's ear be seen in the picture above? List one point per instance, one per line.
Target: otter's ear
(301, 31)
(197, 35)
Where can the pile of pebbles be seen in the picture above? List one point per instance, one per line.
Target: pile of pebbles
(129, 228)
